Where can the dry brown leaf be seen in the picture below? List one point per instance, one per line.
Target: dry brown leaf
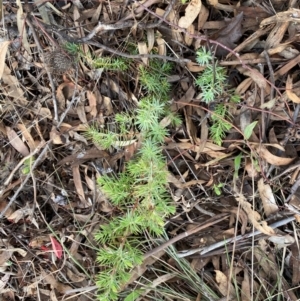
(213, 2)
(256, 76)
(27, 136)
(270, 158)
(250, 168)
(39, 241)
(92, 102)
(295, 263)
(267, 197)
(291, 15)
(80, 110)
(202, 17)
(79, 158)
(194, 67)
(161, 44)
(3, 50)
(79, 187)
(188, 38)
(50, 279)
(143, 49)
(289, 53)
(185, 99)
(289, 87)
(224, 285)
(282, 241)
(287, 67)
(20, 23)
(16, 142)
(4, 203)
(75, 276)
(19, 214)
(191, 13)
(52, 296)
(150, 38)
(254, 216)
(246, 292)
(58, 138)
(60, 96)
(228, 35)
(276, 35)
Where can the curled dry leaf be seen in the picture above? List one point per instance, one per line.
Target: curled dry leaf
(270, 158)
(282, 240)
(150, 38)
(161, 44)
(20, 214)
(256, 76)
(16, 142)
(224, 285)
(254, 216)
(267, 197)
(246, 287)
(50, 279)
(26, 133)
(143, 49)
(229, 34)
(289, 87)
(191, 13)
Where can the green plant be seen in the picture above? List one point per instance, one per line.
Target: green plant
(139, 193)
(217, 189)
(213, 85)
(220, 123)
(108, 63)
(27, 165)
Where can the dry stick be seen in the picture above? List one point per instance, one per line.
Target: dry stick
(272, 79)
(8, 180)
(34, 165)
(47, 69)
(205, 250)
(212, 221)
(263, 115)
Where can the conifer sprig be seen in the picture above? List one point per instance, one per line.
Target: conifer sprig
(140, 193)
(213, 84)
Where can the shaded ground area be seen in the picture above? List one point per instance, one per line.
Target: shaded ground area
(230, 69)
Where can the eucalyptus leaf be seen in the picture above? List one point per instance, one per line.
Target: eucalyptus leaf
(249, 130)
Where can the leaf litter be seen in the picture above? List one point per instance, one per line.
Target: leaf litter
(245, 245)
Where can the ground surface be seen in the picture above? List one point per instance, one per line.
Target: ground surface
(51, 206)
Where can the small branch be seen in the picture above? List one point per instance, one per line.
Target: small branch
(46, 67)
(212, 221)
(222, 243)
(34, 165)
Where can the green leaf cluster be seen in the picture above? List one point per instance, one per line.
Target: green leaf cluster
(140, 193)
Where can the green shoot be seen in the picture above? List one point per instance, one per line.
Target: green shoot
(139, 193)
(27, 166)
(220, 127)
(213, 84)
(217, 188)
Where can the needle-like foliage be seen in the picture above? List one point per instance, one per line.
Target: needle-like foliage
(140, 193)
(213, 84)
